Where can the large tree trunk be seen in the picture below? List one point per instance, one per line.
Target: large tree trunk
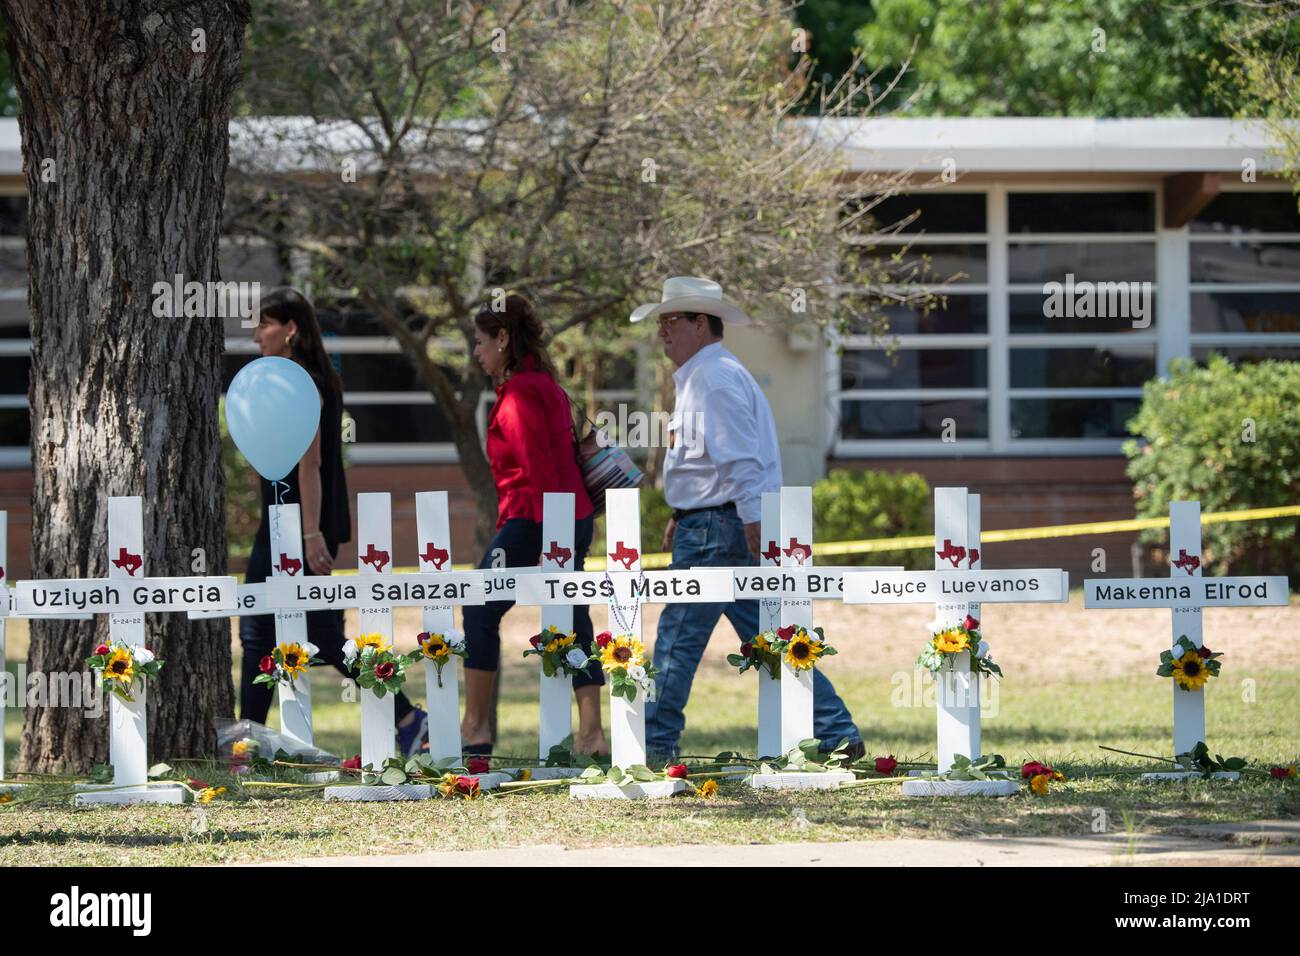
(124, 114)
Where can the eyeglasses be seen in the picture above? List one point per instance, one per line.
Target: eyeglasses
(667, 320)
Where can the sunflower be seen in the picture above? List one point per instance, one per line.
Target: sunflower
(951, 641)
(1038, 783)
(208, 794)
(436, 647)
(622, 651)
(295, 659)
(709, 788)
(120, 666)
(1190, 672)
(762, 643)
(559, 641)
(802, 651)
(375, 640)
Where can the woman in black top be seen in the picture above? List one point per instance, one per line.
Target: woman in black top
(288, 328)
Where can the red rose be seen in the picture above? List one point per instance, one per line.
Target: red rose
(535, 640)
(677, 770)
(352, 763)
(1033, 769)
(422, 637)
(603, 638)
(385, 670)
(197, 784)
(467, 786)
(886, 765)
(785, 633)
(477, 765)
(970, 624)
(745, 649)
(1278, 773)
(101, 650)
(268, 664)
(1203, 652)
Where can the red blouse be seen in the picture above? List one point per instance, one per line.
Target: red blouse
(530, 446)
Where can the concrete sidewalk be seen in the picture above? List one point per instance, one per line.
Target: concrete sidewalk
(1271, 843)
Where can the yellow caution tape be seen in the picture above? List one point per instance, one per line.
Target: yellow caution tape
(662, 559)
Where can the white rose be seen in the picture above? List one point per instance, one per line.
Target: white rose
(637, 673)
(350, 650)
(455, 638)
(983, 649)
(648, 685)
(142, 655)
(310, 648)
(575, 658)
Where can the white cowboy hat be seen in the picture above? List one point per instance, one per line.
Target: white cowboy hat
(693, 294)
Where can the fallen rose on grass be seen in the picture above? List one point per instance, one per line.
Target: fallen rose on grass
(197, 784)
(1283, 773)
(676, 771)
(1033, 769)
(886, 765)
(478, 765)
(352, 763)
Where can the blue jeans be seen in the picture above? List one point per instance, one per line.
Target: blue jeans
(717, 539)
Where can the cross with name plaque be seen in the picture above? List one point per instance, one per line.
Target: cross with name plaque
(957, 587)
(126, 595)
(1185, 593)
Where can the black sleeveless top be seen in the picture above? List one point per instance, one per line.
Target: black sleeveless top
(335, 516)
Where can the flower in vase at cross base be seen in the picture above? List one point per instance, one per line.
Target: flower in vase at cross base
(120, 667)
(622, 652)
(802, 652)
(1190, 672)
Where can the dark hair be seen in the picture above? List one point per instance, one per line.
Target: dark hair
(289, 305)
(527, 335)
(715, 324)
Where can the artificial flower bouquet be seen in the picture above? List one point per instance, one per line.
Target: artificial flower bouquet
(624, 659)
(120, 665)
(379, 668)
(441, 647)
(758, 653)
(800, 648)
(559, 652)
(1190, 666)
(948, 642)
(286, 663)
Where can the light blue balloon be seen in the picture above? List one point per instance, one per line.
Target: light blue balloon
(272, 411)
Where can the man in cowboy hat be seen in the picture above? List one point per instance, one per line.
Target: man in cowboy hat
(714, 484)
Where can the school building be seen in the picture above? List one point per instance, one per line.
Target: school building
(1077, 258)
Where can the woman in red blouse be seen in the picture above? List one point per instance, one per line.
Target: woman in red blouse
(530, 449)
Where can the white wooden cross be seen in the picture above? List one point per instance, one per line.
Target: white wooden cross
(1185, 594)
(126, 596)
(627, 589)
(556, 692)
(375, 592)
(957, 587)
(442, 698)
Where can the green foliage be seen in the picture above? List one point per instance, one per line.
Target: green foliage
(849, 505)
(1058, 57)
(1228, 437)
(1199, 759)
(992, 767)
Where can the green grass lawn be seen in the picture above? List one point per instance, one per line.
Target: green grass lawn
(1063, 721)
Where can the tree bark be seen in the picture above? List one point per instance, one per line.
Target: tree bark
(124, 115)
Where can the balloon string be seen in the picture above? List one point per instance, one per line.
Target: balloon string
(280, 488)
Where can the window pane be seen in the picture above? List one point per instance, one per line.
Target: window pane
(1081, 212)
(861, 418)
(914, 368)
(925, 262)
(1247, 354)
(1030, 312)
(13, 374)
(1246, 262)
(1246, 312)
(1106, 367)
(399, 423)
(15, 427)
(1087, 261)
(1071, 417)
(935, 212)
(956, 315)
(1261, 211)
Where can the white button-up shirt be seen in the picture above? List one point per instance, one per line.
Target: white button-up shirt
(723, 442)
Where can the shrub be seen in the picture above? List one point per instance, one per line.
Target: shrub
(848, 505)
(1228, 437)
